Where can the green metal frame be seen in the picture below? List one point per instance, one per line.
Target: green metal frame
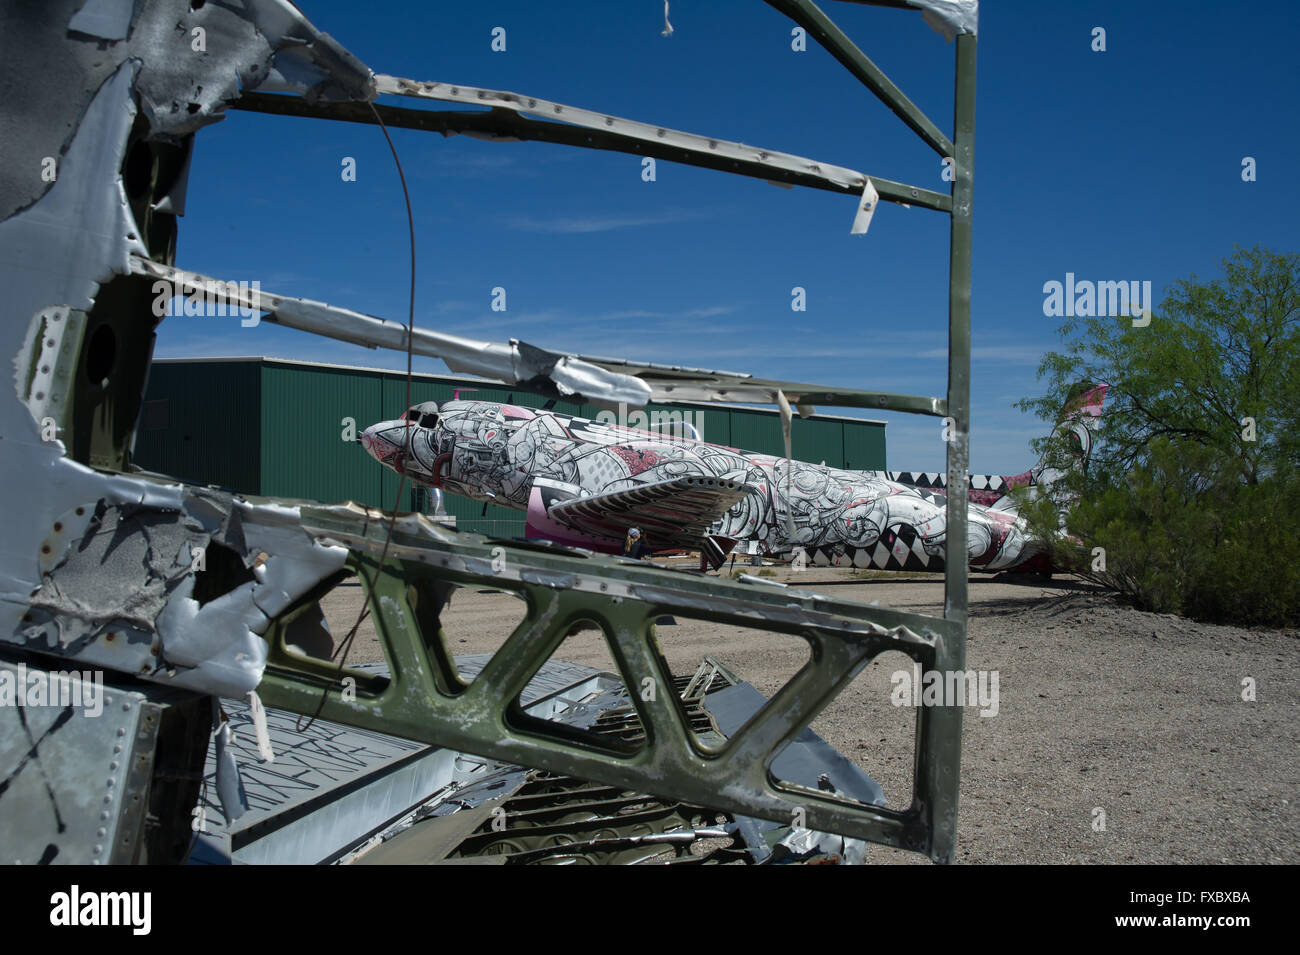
(426, 700)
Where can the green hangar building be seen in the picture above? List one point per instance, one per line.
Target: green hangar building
(285, 428)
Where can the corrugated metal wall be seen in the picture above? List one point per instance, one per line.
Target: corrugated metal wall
(278, 428)
(864, 448)
(755, 431)
(201, 422)
(818, 442)
(310, 420)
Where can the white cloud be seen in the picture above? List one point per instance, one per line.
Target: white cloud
(577, 225)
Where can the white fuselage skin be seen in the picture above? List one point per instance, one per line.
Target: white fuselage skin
(526, 458)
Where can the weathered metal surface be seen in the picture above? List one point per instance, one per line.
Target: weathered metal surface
(120, 584)
(77, 321)
(604, 382)
(79, 764)
(508, 126)
(517, 817)
(431, 703)
(937, 782)
(514, 362)
(676, 145)
(331, 786)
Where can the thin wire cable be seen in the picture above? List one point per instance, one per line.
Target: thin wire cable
(344, 647)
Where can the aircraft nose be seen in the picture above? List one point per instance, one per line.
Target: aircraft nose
(379, 444)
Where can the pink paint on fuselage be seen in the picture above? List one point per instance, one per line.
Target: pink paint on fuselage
(540, 524)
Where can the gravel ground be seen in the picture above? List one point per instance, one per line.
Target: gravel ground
(1099, 707)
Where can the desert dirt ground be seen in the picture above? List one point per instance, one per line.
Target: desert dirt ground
(1100, 707)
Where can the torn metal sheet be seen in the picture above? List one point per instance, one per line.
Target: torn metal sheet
(949, 17)
(117, 586)
(866, 209)
(806, 844)
(123, 604)
(335, 785)
(104, 19)
(196, 589)
(515, 362)
(228, 785)
(84, 215)
(80, 592)
(605, 382)
(193, 60)
(173, 201)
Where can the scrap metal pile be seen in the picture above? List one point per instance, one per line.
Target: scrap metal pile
(336, 794)
(175, 595)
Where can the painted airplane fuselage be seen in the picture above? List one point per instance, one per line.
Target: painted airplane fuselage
(530, 459)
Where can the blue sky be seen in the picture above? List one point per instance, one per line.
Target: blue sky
(1116, 165)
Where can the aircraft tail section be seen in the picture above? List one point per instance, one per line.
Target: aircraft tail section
(1070, 446)
(1069, 449)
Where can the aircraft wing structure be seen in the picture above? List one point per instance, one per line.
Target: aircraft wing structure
(674, 513)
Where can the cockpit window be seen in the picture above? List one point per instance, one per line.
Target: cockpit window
(421, 416)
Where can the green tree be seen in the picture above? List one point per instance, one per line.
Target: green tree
(1192, 491)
